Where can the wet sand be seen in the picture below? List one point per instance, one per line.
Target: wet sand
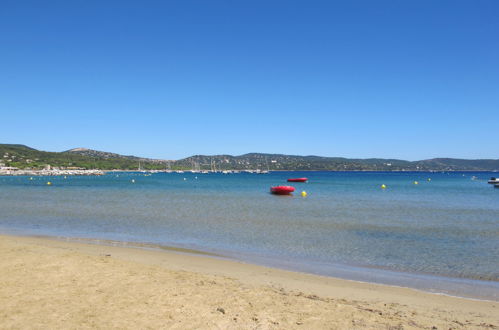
(47, 283)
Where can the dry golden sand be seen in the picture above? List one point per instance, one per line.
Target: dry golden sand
(55, 284)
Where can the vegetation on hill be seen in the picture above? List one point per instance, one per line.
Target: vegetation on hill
(275, 162)
(24, 157)
(20, 156)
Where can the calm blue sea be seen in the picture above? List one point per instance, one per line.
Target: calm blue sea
(440, 235)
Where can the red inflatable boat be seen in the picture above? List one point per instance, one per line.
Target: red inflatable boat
(282, 190)
(298, 180)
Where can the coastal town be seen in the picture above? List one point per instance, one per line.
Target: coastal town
(48, 171)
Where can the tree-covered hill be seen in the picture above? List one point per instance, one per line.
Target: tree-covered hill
(285, 162)
(304, 163)
(21, 156)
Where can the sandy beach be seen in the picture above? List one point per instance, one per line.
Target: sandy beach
(48, 283)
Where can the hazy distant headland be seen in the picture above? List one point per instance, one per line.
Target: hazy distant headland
(23, 157)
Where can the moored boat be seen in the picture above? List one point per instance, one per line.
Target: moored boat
(298, 180)
(493, 180)
(282, 190)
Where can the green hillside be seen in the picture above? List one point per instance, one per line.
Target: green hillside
(21, 156)
(305, 163)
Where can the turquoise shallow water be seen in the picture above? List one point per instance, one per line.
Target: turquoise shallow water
(440, 235)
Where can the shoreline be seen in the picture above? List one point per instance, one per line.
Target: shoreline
(291, 299)
(458, 287)
(52, 172)
(100, 172)
(235, 259)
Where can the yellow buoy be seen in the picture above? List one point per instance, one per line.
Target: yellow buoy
(383, 186)
(415, 182)
(304, 194)
(429, 179)
(31, 178)
(49, 183)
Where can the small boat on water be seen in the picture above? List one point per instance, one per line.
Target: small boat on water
(493, 180)
(282, 190)
(298, 180)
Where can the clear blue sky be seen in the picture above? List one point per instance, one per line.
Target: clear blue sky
(168, 79)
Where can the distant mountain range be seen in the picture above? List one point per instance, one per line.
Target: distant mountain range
(21, 156)
(314, 163)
